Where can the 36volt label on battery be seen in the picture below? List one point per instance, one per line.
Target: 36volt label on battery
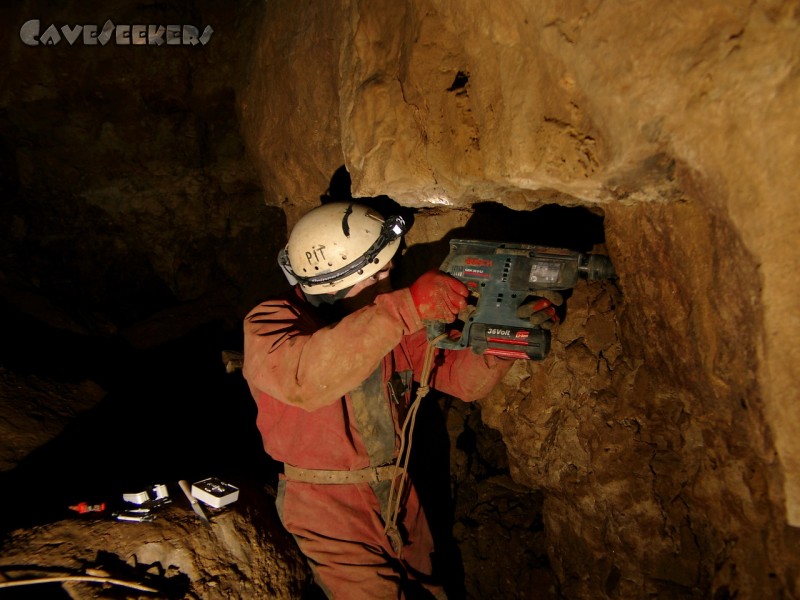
(519, 334)
(496, 331)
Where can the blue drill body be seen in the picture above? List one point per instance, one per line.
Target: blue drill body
(501, 277)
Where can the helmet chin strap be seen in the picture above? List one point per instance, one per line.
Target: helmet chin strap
(317, 300)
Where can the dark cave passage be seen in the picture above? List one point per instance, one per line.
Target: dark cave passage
(170, 412)
(576, 228)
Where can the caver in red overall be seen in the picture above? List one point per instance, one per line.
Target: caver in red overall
(332, 392)
(331, 398)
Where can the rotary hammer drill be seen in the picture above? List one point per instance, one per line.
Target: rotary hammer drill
(501, 276)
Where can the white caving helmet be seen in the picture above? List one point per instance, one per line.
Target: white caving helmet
(336, 245)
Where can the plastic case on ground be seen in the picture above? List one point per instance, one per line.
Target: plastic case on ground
(215, 492)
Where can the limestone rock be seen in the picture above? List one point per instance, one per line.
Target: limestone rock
(236, 557)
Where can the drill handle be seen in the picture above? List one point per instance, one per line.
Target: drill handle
(438, 329)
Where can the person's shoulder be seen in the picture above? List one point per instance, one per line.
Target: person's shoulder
(290, 300)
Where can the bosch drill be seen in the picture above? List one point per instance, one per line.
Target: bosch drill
(501, 276)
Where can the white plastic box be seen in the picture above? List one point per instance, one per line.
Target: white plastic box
(157, 492)
(215, 492)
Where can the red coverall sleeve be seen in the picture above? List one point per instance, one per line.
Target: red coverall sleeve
(460, 373)
(289, 357)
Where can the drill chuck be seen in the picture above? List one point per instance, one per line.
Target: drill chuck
(595, 267)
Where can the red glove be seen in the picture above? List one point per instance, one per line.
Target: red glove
(540, 309)
(438, 296)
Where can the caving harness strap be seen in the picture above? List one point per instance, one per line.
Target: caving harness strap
(321, 476)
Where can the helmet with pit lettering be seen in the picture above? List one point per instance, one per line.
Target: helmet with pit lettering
(336, 245)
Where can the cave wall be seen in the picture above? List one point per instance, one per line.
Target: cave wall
(663, 426)
(130, 155)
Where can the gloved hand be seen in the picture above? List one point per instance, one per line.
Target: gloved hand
(539, 310)
(438, 296)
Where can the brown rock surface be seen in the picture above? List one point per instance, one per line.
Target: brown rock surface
(236, 557)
